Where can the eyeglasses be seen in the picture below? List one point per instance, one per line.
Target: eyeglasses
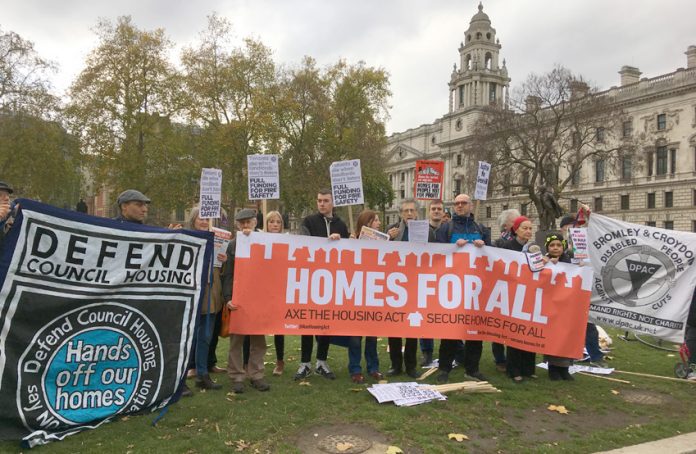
(461, 203)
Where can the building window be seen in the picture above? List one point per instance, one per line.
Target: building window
(626, 168)
(599, 171)
(661, 161)
(693, 226)
(489, 213)
(492, 93)
(523, 209)
(403, 176)
(577, 139)
(459, 160)
(651, 200)
(672, 161)
(661, 122)
(575, 179)
(461, 95)
(403, 193)
(625, 202)
(598, 204)
(525, 177)
(599, 135)
(457, 187)
(694, 196)
(573, 205)
(506, 206)
(651, 224)
(669, 225)
(627, 130)
(669, 199)
(649, 164)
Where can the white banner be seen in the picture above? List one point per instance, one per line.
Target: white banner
(346, 183)
(644, 277)
(263, 176)
(484, 174)
(211, 187)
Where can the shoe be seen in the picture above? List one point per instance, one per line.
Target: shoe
(377, 375)
(186, 391)
(554, 373)
(427, 359)
(565, 375)
(323, 370)
(442, 377)
(600, 363)
(279, 367)
(205, 382)
(500, 367)
(358, 378)
(190, 373)
(238, 387)
(303, 372)
(216, 370)
(478, 376)
(260, 385)
(393, 372)
(413, 373)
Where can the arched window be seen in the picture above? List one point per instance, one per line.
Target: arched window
(467, 61)
(478, 35)
(488, 61)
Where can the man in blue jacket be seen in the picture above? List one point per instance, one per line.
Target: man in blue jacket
(461, 230)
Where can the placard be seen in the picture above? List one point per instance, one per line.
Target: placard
(429, 180)
(263, 177)
(482, 177)
(211, 187)
(346, 183)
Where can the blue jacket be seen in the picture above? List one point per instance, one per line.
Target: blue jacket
(461, 227)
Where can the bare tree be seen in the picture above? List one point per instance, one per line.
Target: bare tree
(541, 138)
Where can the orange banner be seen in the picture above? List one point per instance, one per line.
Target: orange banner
(285, 284)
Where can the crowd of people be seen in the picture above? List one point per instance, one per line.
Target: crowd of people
(245, 362)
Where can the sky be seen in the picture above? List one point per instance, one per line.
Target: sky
(414, 41)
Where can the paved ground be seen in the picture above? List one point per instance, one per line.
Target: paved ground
(681, 444)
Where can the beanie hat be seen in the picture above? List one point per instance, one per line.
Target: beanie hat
(518, 220)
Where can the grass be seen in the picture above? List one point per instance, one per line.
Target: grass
(603, 414)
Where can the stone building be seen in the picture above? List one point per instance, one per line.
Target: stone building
(659, 118)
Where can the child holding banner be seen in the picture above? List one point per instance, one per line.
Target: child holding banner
(555, 247)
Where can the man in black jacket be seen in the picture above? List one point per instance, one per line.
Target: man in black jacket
(461, 230)
(322, 224)
(133, 206)
(408, 211)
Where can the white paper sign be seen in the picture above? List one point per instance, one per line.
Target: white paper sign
(484, 174)
(263, 176)
(367, 233)
(346, 183)
(578, 238)
(418, 231)
(211, 187)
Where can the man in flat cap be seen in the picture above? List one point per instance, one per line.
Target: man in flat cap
(245, 220)
(5, 207)
(133, 206)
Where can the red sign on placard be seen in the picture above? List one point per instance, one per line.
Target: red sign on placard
(429, 179)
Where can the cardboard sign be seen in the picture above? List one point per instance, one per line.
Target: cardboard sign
(211, 187)
(346, 183)
(263, 177)
(429, 180)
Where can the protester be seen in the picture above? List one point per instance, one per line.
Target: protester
(520, 363)
(210, 305)
(555, 246)
(505, 221)
(399, 232)
(5, 208)
(690, 337)
(322, 224)
(436, 212)
(462, 229)
(246, 223)
(370, 219)
(81, 207)
(275, 224)
(133, 206)
(446, 216)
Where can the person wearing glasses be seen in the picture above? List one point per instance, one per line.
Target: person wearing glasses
(461, 230)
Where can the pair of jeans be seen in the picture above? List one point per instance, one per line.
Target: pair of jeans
(354, 353)
(204, 331)
(427, 345)
(498, 352)
(592, 343)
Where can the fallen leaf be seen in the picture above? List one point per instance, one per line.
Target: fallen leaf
(394, 450)
(217, 428)
(356, 390)
(242, 445)
(458, 437)
(229, 443)
(130, 446)
(670, 355)
(383, 382)
(343, 447)
(305, 383)
(291, 358)
(558, 408)
(615, 392)
(125, 418)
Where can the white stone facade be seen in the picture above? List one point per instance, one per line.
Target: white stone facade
(659, 118)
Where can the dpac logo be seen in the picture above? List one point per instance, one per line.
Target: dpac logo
(89, 364)
(638, 276)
